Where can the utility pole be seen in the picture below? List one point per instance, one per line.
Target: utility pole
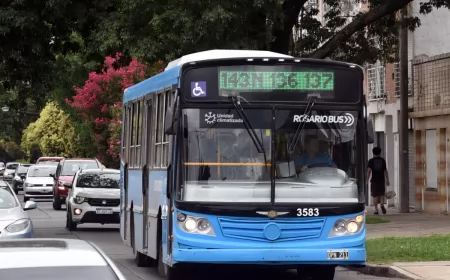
(403, 122)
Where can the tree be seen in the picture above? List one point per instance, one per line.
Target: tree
(12, 149)
(54, 132)
(98, 103)
(166, 30)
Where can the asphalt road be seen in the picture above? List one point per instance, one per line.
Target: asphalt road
(49, 223)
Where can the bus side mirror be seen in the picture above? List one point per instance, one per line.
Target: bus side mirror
(171, 121)
(370, 131)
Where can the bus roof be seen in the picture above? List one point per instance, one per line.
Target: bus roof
(222, 54)
(172, 72)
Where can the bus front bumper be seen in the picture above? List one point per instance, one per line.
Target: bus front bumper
(356, 256)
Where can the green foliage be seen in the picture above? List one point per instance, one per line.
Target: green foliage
(55, 133)
(12, 149)
(159, 29)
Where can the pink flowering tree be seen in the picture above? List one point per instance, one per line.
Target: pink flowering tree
(99, 103)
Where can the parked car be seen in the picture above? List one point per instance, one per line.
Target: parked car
(19, 177)
(94, 197)
(2, 168)
(38, 183)
(64, 174)
(53, 259)
(49, 160)
(14, 220)
(10, 169)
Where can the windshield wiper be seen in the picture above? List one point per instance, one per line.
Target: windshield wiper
(307, 112)
(248, 126)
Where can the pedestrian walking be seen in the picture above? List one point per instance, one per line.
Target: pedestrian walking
(379, 179)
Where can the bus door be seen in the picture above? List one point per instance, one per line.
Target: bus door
(145, 171)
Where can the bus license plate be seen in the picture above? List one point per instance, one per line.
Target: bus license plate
(104, 211)
(337, 254)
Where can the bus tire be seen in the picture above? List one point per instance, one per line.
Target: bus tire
(169, 273)
(320, 272)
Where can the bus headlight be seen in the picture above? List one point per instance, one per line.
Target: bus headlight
(196, 225)
(349, 226)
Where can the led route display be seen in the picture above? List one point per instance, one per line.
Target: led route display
(291, 81)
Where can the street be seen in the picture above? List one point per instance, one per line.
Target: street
(49, 223)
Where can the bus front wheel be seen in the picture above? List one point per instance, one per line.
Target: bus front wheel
(320, 272)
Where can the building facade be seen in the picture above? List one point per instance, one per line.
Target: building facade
(428, 94)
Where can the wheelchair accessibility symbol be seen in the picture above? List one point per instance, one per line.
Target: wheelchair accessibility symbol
(198, 89)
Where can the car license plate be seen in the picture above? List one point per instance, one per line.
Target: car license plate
(104, 211)
(337, 254)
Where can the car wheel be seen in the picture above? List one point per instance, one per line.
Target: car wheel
(70, 224)
(56, 203)
(25, 199)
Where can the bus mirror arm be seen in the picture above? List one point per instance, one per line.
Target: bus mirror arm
(370, 131)
(169, 181)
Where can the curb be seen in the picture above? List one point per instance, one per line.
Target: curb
(389, 271)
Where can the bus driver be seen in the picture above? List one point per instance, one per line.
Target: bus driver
(312, 156)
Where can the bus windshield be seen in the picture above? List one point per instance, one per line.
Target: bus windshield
(221, 162)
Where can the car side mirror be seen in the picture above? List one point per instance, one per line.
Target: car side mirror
(67, 185)
(30, 205)
(52, 175)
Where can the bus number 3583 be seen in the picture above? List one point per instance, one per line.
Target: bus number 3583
(307, 212)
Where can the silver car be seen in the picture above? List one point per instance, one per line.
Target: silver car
(10, 170)
(53, 259)
(14, 220)
(38, 183)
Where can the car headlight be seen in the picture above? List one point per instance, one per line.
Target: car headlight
(348, 226)
(18, 226)
(80, 199)
(6, 173)
(28, 185)
(197, 225)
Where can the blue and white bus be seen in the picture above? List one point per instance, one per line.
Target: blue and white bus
(246, 157)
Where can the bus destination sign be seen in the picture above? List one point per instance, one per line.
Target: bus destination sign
(275, 81)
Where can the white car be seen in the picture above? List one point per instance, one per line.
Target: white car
(54, 259)
(94, 197)
(38, 183)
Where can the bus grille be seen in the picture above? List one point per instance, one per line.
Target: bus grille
(256, 229)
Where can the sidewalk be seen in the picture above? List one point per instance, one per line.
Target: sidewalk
(410, 224)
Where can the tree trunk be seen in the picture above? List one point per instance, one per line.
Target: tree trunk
(389, 7)
(283, 30)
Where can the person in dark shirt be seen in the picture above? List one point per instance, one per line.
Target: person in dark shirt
(379, 179)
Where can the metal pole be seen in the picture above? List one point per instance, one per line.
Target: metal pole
(403, 130)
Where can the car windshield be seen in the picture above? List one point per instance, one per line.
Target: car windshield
(48, 162)
(11, 165)
(7, 199)
(22, 169)
(71, 167)
(99, 180)
(41, 171)
(54, 273)
(222, 164)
